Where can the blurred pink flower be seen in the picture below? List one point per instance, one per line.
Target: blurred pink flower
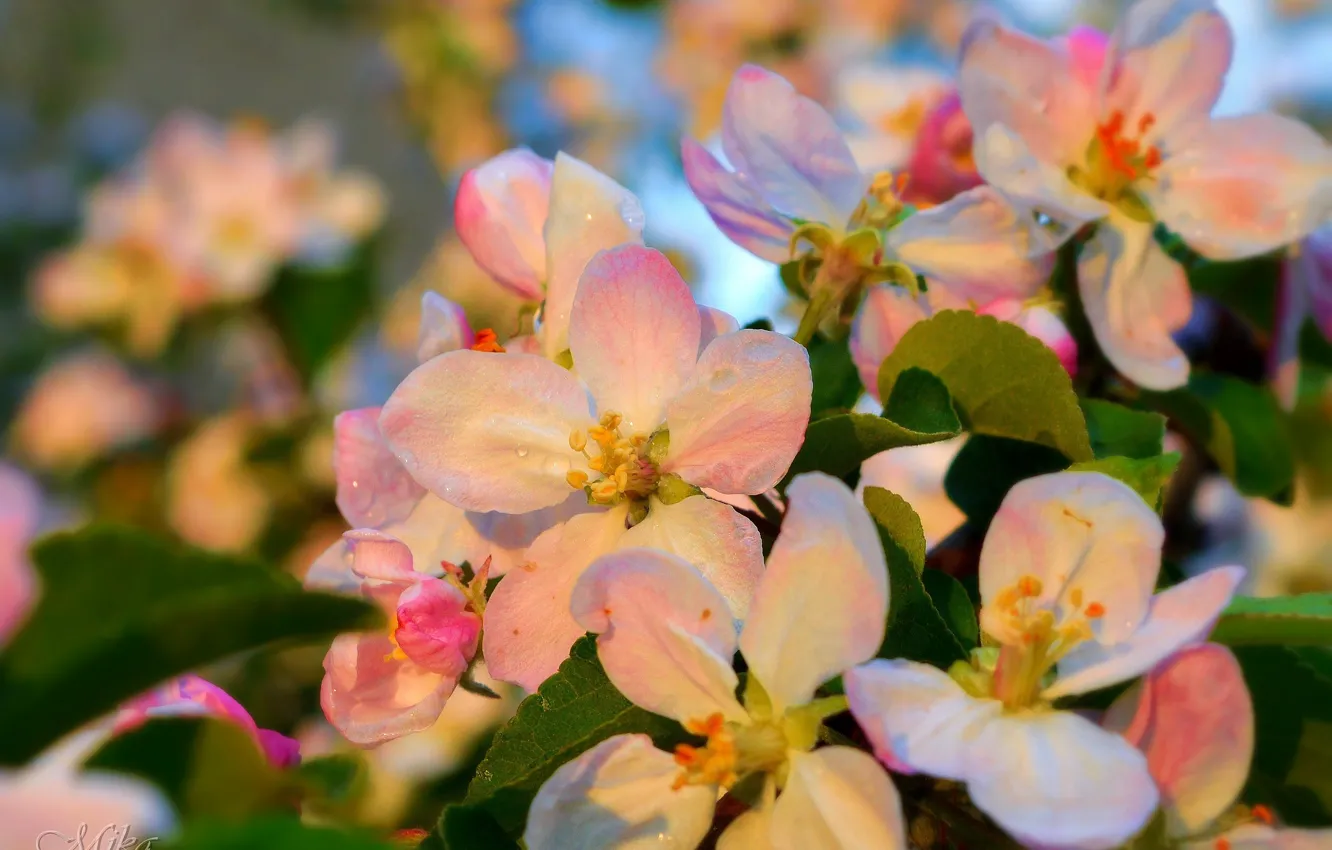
(20, 504)
(82, 407)
(190, 696)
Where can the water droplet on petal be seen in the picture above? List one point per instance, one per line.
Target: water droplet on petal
(632, 212)
(557, 466)
(723, 379)
(521, 451)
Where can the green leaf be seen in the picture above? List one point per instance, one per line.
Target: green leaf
(1122, 431)
(318, 310)
(921, 402)
(205, 766)
(1292, 735)
(1003, 382)
(836, 379)
(572, 711)
(272, 833)
(954, 605)
(1304, 620)
(334, 783)
(986, 468)
(916, 630)
(1241, 428)
(121, 611)
(838, 444)
(464, 827)
(1147, 476)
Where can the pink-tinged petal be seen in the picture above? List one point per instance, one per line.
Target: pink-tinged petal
(444, 327)
(619, 794)
(1033, 185)
(379, 557)
(884, 317)
(666, 636)
(589, 212)
(1010, 79)
(374, 489)
(1135, 298)
(735, 206)
(281, 751)
(435, 629)
(789, 149)
(488, 432)
(941, 164)
(1179, 617)
(1087, 48)
(528, 627)
(500, 211)
(1316, 252)
(20, 506)
(18, 588)
(978, 246)
(822, 603)
(1244, 186)
(1083, 536)
(917, 719)
(523, 344)
(332, 571)
(1055, 779)
(720, 543)
(371, 697)
(633, 333)
(739, 421)
(753, 829)
(837, 797)
(916, 473)
(712, 324)
(1193, 718)
(1168, 59)
(1040, 323)
(504, 538)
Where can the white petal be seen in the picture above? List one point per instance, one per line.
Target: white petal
(735, 206)
(488, 432)
(1135, 297)
(1183, 615)
(789, 148)
(720, 543)
(1245, 186)
(1029, 86)
(822, 604)
(528, 627)
(1055, 779)
(504, 538)
(666, 637)
(739, 421)
(444, 327)
(712, 324)
(374, 490)
(885, 315)
(1030, 184)
(1081, 534)
(753, 829)
(46, 809)
(633, 333)
(978, 246)
(378, 556)
(589, 212)
(1168, 58)
(619, 794)
(837, 798)
(917, 718)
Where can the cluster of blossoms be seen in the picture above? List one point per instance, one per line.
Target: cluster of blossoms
(205, 217)
(607, 467)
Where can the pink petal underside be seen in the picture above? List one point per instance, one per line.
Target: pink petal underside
(735, 206)
(371, 697)
(435, 629)
(374, 489)
(499, 211)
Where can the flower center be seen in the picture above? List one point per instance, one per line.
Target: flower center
(1117, 160)
(1036, 639)
(733, 750)
(627, 471)
(906, 122)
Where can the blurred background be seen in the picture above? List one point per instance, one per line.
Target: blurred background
(217, 220)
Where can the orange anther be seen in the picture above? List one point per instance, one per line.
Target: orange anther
(487, 341)
(1264, 814)
(1222, 844)
(1153, 158)
(1029, 586)
(1146, 122)
(1095, 611)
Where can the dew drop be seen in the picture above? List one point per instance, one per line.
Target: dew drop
(722, 380)
(521, 451)
(632, 213)
(557, 466)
